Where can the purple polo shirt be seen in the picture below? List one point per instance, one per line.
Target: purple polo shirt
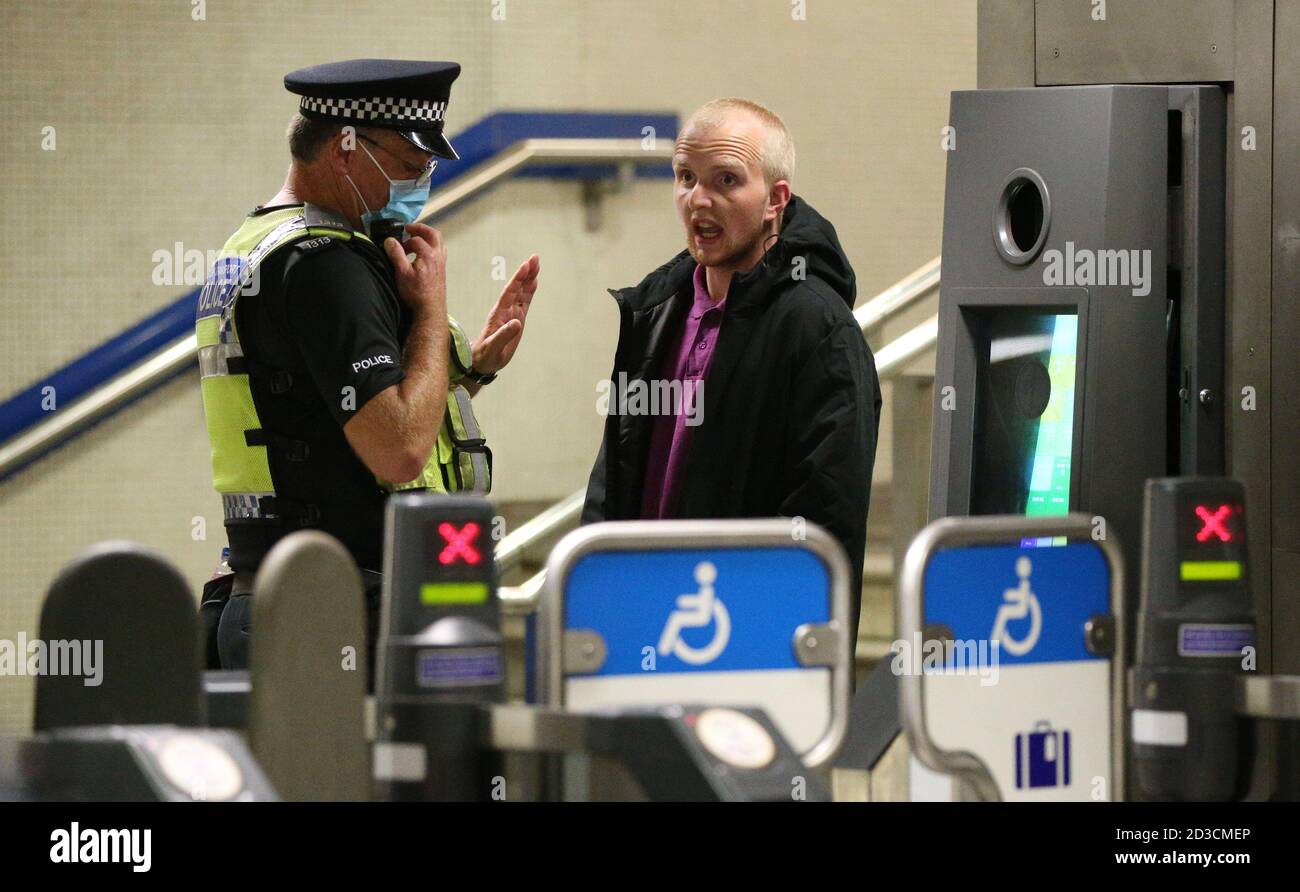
(670, 436)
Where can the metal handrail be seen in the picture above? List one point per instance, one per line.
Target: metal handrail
(893, 358)
(917, 284)
(543, 151)
(561, 515)
(173, 358)
(891, 361)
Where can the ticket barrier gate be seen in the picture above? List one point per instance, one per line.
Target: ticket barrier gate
(445, 734)
(308, 663)
(440, 650)
(301, 702)
(749, 612)
(443, 731)
(995, 630)
(1199, 706)
(1062, 716)
(123, 721)
(742, 611)
(690, 753)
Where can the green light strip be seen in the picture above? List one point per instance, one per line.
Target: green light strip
(453, 593)
(1206, 571)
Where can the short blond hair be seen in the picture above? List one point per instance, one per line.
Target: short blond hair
(778, 149)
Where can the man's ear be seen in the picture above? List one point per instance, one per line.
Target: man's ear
(778, 196)
(340, 148)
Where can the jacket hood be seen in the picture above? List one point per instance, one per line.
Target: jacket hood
(805, 234)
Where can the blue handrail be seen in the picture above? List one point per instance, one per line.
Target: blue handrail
(489, 136)
(86, 372)
(475, 144)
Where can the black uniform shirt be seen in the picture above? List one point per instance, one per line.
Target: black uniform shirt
(322, 336)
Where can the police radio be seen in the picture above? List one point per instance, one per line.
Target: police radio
(1195, 635)
(383, 229)
(440, 649)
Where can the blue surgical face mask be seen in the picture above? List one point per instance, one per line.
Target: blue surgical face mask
(406, 198)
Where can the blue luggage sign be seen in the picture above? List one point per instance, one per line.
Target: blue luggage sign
(1018, 692)
(1043, 757)
(724, 612)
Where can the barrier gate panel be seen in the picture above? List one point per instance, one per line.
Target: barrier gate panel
(1011, 677)
(725, 613)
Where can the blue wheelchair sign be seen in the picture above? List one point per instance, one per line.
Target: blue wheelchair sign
(722, 612)
(698, 610)
(993, 592)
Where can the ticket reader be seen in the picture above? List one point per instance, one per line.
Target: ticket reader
(1080, 327)
(707, 754)
(1196, 633)
(668, 753)
(142, 763)
(440, 649)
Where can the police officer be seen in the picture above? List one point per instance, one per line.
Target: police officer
(331, 372)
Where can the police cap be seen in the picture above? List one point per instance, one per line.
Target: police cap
(409, 97)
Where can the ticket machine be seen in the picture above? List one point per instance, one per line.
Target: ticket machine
(1080, 342)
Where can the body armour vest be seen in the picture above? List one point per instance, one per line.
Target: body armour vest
(267, 478)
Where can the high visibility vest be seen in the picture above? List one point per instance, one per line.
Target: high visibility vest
(241, 472)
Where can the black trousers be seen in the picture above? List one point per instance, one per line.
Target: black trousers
(226, 622)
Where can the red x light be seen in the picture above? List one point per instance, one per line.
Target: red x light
(461, 543)
(1214, 523)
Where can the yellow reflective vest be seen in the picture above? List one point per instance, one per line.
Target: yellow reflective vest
(241, 472)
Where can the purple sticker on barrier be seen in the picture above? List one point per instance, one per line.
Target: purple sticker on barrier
(458, 667)
(1214, 639)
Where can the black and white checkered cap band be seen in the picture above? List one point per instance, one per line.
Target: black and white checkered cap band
(376, 109)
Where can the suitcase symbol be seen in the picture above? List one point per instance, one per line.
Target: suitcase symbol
(1042, 757)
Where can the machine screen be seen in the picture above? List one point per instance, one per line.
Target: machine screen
(1025, 416)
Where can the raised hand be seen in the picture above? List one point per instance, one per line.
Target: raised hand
(502, 331)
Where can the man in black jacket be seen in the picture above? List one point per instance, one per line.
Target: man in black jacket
(779, 400)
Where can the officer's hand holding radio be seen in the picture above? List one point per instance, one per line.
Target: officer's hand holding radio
(422, 282)
(392, 433)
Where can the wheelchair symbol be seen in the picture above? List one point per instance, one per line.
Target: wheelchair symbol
(695, 611)
(1018, 603)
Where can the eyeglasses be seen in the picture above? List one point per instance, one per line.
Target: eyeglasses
(420, 172)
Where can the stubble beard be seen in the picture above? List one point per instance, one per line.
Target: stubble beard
(736, 259)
